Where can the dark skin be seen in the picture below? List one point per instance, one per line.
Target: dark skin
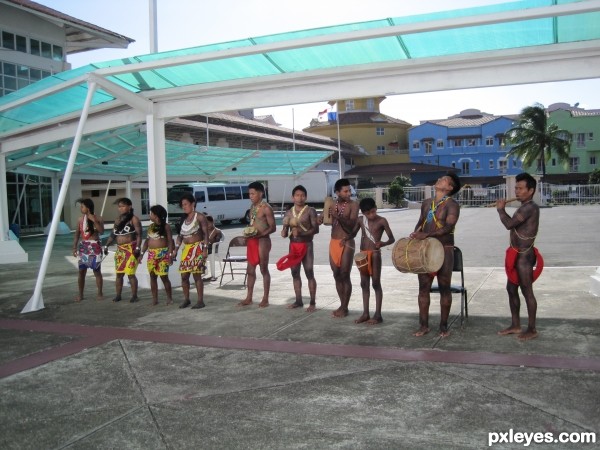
(523, 226)
(166, 241)
(189, 208)
(128, 239)
(305, 229)
(376, 226)
(99, 229)
(447, 213)
(345, 217)
(264, 222)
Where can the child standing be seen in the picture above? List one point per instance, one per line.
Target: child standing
(372, 226)
(160, 246)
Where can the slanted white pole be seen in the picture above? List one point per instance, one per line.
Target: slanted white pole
(36, 302)
(105, 197)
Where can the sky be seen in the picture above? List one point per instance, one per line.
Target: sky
(190, 23)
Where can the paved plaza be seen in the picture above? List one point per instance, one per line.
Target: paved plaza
(98, 374)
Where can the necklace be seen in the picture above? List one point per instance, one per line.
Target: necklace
(297, 216)
(339, 211)
(434, 207)
(254, 211)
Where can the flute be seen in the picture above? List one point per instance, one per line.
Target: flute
(508, 200)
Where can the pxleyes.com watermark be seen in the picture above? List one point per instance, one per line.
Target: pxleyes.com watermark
(526, 439)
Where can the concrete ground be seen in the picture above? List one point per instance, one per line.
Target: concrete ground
(98, 374)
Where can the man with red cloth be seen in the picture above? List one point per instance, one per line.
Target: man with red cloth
(300, 224)
(258, 243)
(522, 255)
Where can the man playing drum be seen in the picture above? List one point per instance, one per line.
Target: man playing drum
(522, 255)
(258, 243)
(341, 247)
(438, 220)
(300, 224)
(372, 226)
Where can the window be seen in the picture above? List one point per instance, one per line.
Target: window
(381, 149)
(466, 168)
(215, 194)
(590, 136)
(245, 193)
(21, 44)
(471, 142)
(457, 142)
(233, 193)
(489, 141)
(57, 53)
(439, 143)
(8, 40)
(502, 166)
(553, 162)
(428, 147)
(592, 160)
(416, 145)
(349, 105)
(35, 46)
(13, 77)
(477, 165)
(491, 163)
(199, 197)
(574, 164)
(580, 140)
(453, 164)
(145, 200)
(370, 104)
(46, 50)
(379, 131)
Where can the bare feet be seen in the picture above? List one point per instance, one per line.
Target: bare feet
(100, 297)
(421, 332)
(78, 299)
(365, 317)
(264, 303)
(116, 299)
(154, 302)
(510, 330)
(169, 301)
(296, 304)
(375, 320)
(527, 335)
(444, 332)
(311, 308)
(340, 312)
(246, 302)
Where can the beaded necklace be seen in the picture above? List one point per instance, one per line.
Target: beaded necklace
(339, 211)
(297, 216)
(254, 211)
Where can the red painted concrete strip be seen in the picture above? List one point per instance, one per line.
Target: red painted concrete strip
(100, 335)
(49, 355)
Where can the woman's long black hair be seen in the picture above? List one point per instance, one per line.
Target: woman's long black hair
(89, 204)
(160, 212)
(121, 225)
(190, 198)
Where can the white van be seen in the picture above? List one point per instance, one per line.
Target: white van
(224, 202)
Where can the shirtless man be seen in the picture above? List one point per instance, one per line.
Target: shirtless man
(523, 226)
(438, 220)
(341, 247)
(372, 227)
(262, 224)
(300, 224)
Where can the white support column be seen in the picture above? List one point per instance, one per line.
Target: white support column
(63, 228)
(157, 160)
(36, 302)
(3, 200)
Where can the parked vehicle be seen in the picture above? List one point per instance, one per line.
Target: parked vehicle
(318, 183)
(224, 202)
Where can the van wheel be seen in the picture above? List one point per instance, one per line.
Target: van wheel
(246, 218)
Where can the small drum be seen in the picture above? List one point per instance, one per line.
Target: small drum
(418, 256)
(250, 231)
(329, 203)
(286, 221)
(293, 222)
(362, 263)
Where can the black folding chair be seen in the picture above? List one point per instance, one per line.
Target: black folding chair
(458, 288)
(235, 256)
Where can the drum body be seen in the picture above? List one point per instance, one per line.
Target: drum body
(418, 256)
(328, 204)
(362, 263)
(293, 222)
(250, 231)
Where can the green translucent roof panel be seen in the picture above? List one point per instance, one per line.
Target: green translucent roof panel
(123, 152)
(461, 40)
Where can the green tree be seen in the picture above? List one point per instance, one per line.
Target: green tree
(396, 190)
(594, 177)
(533, 138)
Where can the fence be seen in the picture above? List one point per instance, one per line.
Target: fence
(550, 194)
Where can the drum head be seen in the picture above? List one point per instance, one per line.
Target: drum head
(434, 255)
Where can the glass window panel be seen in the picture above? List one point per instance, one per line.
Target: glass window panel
(21, 83)
(10, 83)
(8, 40)
(46, 50)
(233, 193)
(35, 47)
(57, 53)
(10, 69)
(35, 74)
(23, 72)
(21, 44)
(215, 194)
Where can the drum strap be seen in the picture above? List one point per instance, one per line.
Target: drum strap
(368, 234)
(297, 216)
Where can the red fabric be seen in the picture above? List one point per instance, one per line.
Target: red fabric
(295, 257)
(511, 259)
(252, 251)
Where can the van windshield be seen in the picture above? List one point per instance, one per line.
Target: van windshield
(175, 193)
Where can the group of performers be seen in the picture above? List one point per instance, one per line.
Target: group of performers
(301, 222)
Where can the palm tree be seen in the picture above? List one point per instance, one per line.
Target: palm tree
(534, 138)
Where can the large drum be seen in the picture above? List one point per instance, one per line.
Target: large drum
(418, 256)
(329, 203)
(362, 262)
